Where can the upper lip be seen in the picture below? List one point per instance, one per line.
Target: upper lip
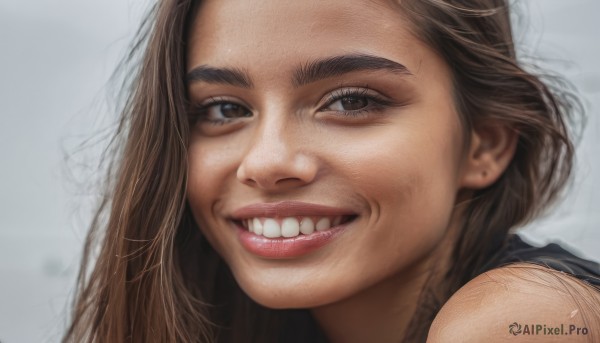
(288, 209)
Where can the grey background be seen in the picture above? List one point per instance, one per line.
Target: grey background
(56, 58)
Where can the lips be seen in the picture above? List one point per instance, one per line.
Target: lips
(289, 228)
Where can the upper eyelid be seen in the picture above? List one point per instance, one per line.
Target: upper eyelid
(216, 100)
(341, 92)
(338, 94)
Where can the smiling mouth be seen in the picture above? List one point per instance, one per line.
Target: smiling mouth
(290, 227)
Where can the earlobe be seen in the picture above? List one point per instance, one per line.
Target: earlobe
(491, 150)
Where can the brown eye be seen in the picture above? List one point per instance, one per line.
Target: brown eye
(355, 102)
(231, 110)
(220, 112)
(352, 103)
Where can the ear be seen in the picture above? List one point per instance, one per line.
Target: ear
(491, 150)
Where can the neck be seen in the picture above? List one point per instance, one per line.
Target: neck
(378, 314)
(383, 312)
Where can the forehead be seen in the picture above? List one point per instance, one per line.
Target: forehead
(277, 34)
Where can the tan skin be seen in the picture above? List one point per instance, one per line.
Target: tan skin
(483, 309)
(397, 158)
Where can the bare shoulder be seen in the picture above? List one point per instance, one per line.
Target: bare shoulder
(520, 303)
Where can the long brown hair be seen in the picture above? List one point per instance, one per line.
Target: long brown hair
(148, 274)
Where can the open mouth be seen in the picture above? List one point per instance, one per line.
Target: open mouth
(289, 227)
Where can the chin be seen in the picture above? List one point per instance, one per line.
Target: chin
(288, 296)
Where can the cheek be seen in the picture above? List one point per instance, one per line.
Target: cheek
(412, 161)
(211, 162)
(211, 165)
(408, 173)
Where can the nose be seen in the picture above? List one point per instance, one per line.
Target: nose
(276, 158)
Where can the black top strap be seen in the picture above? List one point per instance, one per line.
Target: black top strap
(552, 256)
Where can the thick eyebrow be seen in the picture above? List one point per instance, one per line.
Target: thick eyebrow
(232, 76)
(338, 65)
(310, 72)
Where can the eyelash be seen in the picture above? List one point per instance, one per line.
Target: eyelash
(198, 112)
(375, 104)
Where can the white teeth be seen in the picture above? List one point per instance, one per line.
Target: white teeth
(271, 229)
(307, 226)
(290, 227)
(323, 224)
(258, 227)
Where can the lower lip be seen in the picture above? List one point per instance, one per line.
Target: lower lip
(281, 248)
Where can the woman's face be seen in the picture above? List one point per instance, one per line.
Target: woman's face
(330, 128)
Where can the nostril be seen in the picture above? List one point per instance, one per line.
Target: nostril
(249, 182)
(270, 170)
(288, 180)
